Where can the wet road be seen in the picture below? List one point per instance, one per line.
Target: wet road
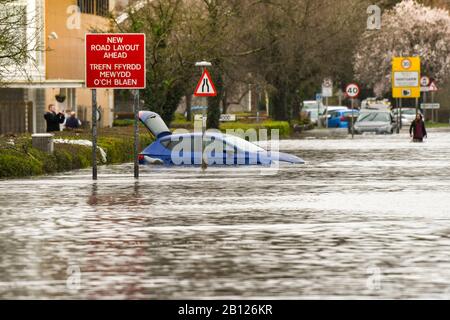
(363, 218)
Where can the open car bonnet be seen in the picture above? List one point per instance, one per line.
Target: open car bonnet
(153, 122)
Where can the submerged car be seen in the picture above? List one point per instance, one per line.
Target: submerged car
(379, 122)
(219, 149)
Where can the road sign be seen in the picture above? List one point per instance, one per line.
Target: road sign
(205, 87)
(327, 88)
(227, 118)
(433, 87)
(352, 90)
(115, 60)
(430, 106)
(318, 97)
(406, 77)
(424, 81)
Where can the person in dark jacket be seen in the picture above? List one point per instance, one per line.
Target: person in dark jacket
(72, 122)
(53, 119)
(417, 131)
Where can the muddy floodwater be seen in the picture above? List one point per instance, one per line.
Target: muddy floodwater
(368, 218)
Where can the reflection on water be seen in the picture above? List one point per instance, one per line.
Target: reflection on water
(363, 218)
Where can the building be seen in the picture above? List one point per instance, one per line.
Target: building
(55, 72)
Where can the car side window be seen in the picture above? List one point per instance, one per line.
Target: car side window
(169, 144)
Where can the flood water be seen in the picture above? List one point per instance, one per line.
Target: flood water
(368, 218)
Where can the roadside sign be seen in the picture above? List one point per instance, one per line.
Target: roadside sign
(318, 97)
(433, 87)
(424, 81)
(424, 84)
(227, 118)
(205, 86)
(430, 106)
(115, 60)
(327, 88)
(352, 90)
(406, 77)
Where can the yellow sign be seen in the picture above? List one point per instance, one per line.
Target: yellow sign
(406, 77)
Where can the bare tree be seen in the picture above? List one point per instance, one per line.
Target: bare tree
(18, 46)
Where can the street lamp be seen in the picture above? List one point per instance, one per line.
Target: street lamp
(203, 64)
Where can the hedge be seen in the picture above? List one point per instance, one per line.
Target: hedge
(283, 126)
(21, 160)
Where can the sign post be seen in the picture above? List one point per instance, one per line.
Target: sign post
(327, 92)
(319, 101)
(115, 61)
(205, 88)
(136, 133)
(94, 134)
(352, 91)
(405, 81)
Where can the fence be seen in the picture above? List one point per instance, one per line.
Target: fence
(16, 117)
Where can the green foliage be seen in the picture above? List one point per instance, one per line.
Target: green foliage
(21, 160)
(283, 127)
(123, 123)
(13, 164)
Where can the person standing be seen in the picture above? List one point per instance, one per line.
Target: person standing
(417, 131)
(72, 122)
(53, 119)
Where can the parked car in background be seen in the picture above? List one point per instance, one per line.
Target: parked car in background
(379, 122)
(408, 115)
(328, 110)
(341, 118)
(314, 110)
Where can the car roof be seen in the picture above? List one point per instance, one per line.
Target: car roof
(194, 134)
(375, 111)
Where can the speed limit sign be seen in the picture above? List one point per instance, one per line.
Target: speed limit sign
(352, 90)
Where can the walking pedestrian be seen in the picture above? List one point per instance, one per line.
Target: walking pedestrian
(417, 130)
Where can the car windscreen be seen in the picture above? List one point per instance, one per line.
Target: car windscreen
(375, 116)
(410, 112)
(349, 113)
(242, 144)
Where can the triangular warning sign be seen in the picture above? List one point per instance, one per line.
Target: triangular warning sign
(433, 87)
(205, 87)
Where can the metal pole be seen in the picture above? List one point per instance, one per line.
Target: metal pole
(326, 113)
(319, 125)
(94, 134)
(353, 128)
(399, 110)
(136, 133)
(204, 118)
(424, 101)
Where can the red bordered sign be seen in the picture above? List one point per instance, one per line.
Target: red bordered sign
(352, 90)
(205, 87)
(115, 60)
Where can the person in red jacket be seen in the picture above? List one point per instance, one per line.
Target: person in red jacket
(417, 131)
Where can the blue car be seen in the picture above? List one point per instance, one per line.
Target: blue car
(219, 149)
(339, 118)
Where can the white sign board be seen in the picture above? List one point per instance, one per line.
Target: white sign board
(228, 118)
(327, 88)
(406, 79)
(327, 92)
(430, 106)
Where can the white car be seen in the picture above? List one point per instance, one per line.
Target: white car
(314, 109)
(408, 115)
